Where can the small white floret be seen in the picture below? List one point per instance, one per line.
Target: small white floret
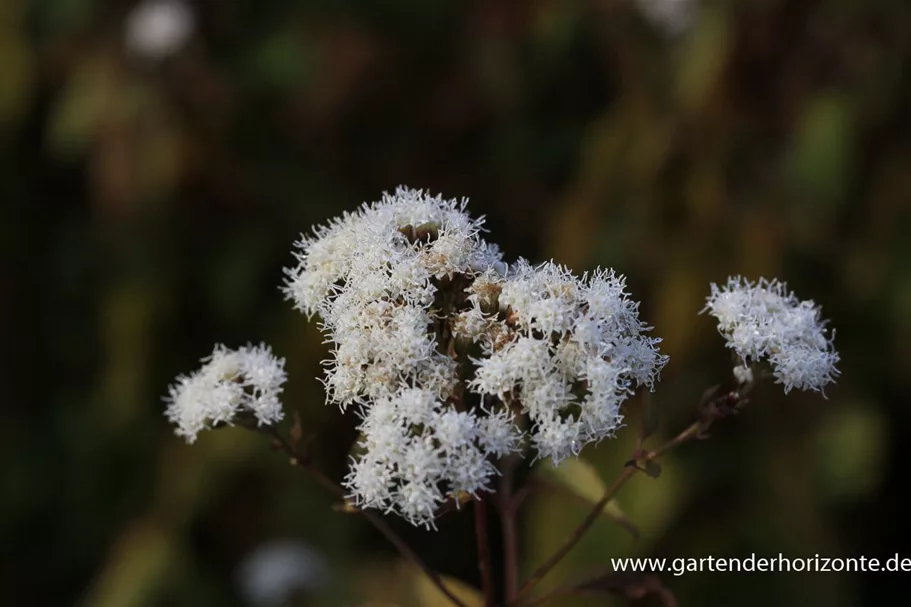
(230, 382)
(766, 321)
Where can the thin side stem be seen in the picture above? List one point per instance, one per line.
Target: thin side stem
(627, 473)
(483, 541)
(689, 433)
(375, 520)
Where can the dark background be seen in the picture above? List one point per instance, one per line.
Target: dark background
(148, 204)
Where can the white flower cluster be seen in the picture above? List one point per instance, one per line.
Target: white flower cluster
(382, 279)
(417, 450)
(440, 347)
(387, 250)
(374, 277)
(452, 359)
(230, 383)
(763, 320)
(576, 350)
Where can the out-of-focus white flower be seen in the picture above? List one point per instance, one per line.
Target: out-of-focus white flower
(671, 16)
(763, 320)
(230, 382)
(271, 574)
(155, 29)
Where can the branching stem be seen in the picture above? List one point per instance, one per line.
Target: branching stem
(374, 519)
(628, 472)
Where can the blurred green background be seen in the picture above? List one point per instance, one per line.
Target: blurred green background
(158, 159)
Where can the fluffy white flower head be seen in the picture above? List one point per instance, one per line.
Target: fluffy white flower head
(764, 321)
(381, 279)
(386, 250)
(441, 349)
(373, 276)
(578, 351)
(230, 382)
(417, 452)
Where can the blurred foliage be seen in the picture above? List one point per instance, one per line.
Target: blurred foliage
(148, 204)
